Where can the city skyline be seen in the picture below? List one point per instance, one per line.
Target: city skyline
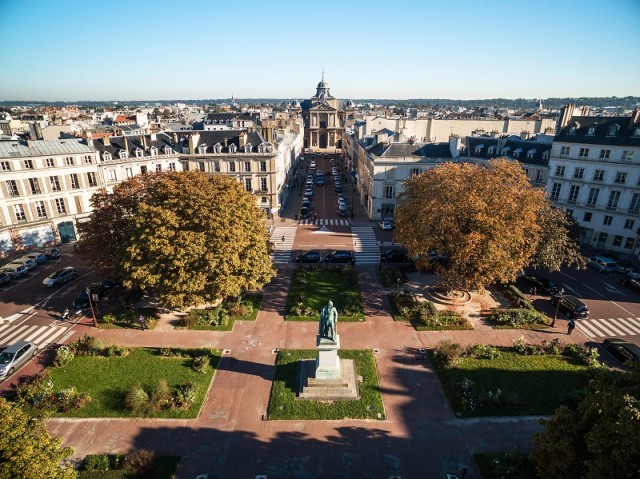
(459, 50)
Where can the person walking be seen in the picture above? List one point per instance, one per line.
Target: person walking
(571, 326)
(142, 322)
(282, 239)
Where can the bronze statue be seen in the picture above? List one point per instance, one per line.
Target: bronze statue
(328, 321)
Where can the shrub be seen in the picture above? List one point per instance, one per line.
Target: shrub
(448, 353)
(482, 351)
(200, 363)
(64, 356)
(161, 396)
(516, 297)
(141, 463)
(116, 350)
(392, 277)
(516, 317)
(35, 391)
(136, 399)
(68, 399)
(239, 309)
(87, 346)
(108, 319)
(184, 396)
(585, 354)
(96, 462)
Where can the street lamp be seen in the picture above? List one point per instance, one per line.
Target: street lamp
(555, 316)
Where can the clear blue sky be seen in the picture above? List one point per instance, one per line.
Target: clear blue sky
(73, 50)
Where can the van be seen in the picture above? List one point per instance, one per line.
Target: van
(571, 306)
(602, 264)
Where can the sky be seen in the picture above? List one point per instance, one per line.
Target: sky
(73, 50)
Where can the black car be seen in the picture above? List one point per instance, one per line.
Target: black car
(571, 306)
(304, 212)
(632, 284)
(4, 278)
(622, 350)
(52, 253)
(542, 284)
(394, 256)
(97, 291)
(340, 256)
(309, 257)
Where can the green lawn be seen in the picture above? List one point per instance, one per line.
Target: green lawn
(312, 288)
(107, 380)
(284, 405)
(528, 384)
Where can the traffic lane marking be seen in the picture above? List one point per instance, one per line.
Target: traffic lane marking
(595, 291)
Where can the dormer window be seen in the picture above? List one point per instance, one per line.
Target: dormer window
(545, 155)
(505, 151)
(124, 154)
(516, 152)
(202, 149)
(591, 131)
(491, 150)
(479, 148)
(153, 151)
(233, 148)
(168, 150)
(106, 156)
(248, 148)
(613, 130)
(636, 131)
(572, 130)
(139, 153)
(531, 153)
(265, 148)
(217, 148)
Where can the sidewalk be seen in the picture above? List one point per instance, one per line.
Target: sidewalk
(419, 438)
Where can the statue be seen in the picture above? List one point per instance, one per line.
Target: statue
(328, 321)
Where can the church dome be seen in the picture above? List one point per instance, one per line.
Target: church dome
(323, 84)
(351, 104)
(295, 104)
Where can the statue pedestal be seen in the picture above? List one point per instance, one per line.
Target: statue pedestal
(327, 362)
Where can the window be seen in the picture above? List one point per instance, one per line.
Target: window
(62, 209)
(185, 165)
(75, 184)
(91, 177)
(593, 196)
(19, 212)
(88, 159)
(614, 197)
(613, 131)
(630, 243)
(584, 152)
(216, 166)
(539, 176)
(560, 170)
(202, 149)
(113, 175)
(545, 155)
(627, 155)
(564, 150)
(12, 187)
(35, 186)
(263, 184)
(201, 166)
(634, 206)
(263, 166)
(573, 193)
(621, 177)
(232, 166)
(247, 184)
(591, 131)
(629, 224)
(49, 162)
(40, 210)
(531, 153)
(389, 174)
(55, 184)
(264, 199)
(69, 160)
(555, 191)
(604, 154)
(172, 166)
(607, 220)
(617, 241)
(168, 150)
(158, 168)
(636, 131)
(390, 191)
(153, 151)
(572, 130)
(128, 173)
(587, 216)
(28, 165)
(598, 175)
(6, 166)
(139, 153)
(247, 166)
(124, 154)
(106, 156)
(569, 212)
(578, 173)
(143, 169)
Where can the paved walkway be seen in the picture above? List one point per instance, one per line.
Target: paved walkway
(420, 438)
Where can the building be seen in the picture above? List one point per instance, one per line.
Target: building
(594, 173)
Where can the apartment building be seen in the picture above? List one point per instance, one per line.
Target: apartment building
(594, 173)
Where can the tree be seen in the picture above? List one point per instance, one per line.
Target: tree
(189, 237)
(489, 222)
(597, 437)
(26, 448)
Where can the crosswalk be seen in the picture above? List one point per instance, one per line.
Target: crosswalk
(282, 238)
(365, 245)
(607, 327)
(325, 222)
(42, 336)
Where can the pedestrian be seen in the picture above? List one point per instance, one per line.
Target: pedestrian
(142, 322)
(315, 216)
(533, 292)
(282, 239)
(571, 326)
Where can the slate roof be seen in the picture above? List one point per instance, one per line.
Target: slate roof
(222, 118)
(624, 137)
(23, 149)
(513, 143)
(399, 150)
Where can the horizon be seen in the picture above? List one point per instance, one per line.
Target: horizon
(460, 50)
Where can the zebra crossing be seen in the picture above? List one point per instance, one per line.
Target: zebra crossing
(607, 327)
(282, 239)
(365, 245)
(325, 222)
(42, 336)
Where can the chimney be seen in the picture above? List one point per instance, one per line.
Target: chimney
(154, 137)
(106, 141)
(175, 138)
(566, 113)
(194, 138)
(635, 116)
(454, 145)
(144, 142)
(242, 139)
(125, 142)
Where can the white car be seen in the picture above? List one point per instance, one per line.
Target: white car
(385, 225)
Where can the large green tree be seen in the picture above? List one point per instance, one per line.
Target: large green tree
(599, 436)
(489, 221)
(26, 448)
(189, 237)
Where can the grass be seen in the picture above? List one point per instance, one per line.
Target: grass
(107, 380)
(314, 288)
(166, 469)
(251, 300)
(283, 403)
(529, 385)
(516, 465)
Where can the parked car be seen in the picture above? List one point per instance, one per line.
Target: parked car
(337, 189)
(4, 278)
(603, 264)
(394, 256)
(14, 356)
(15, 270)
(52, 253)
(306, 202)
(304, 212)
(308, 192)
(631, 283)
(622, 350)
(309, 257)
(340, 256)
(97, 290)
(39, 258)
(571, 306)
(320, 180)
(60, 277)
(385, 225)
(28, 262)
(542, 284)
(343, 211)
(632, 273)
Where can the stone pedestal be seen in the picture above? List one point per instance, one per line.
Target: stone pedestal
(327, 362)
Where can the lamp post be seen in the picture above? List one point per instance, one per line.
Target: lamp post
(555, 316)
(93, 312)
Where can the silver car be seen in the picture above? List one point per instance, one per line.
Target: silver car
(13, 357)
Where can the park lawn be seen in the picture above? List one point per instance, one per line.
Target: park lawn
(320, 287)
(530, 384)
(107, 380)
(283, 403)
